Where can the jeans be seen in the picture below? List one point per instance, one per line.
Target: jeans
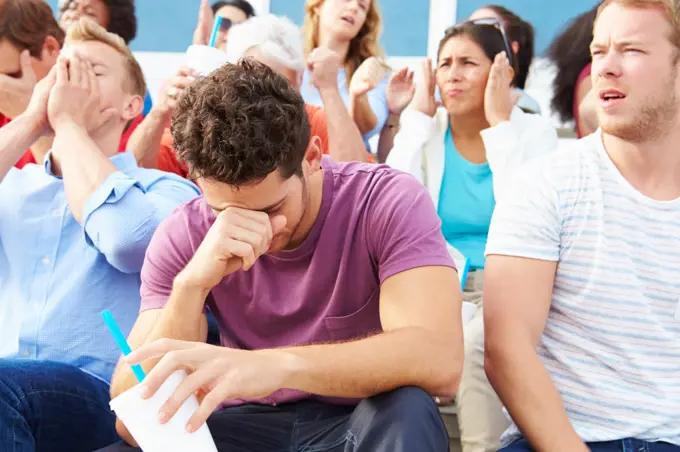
(404, 420)
(625, 445)
(52, 407)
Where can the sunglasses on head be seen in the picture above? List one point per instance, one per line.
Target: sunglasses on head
(494, 23)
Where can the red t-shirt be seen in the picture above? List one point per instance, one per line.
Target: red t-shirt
(28, 155)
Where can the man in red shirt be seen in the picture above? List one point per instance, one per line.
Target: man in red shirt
(30, 42)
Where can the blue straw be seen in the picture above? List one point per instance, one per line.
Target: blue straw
(122, 343)
(216, 28)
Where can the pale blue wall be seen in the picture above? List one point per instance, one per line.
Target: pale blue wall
(167, 25)
(547, 16)
(404, 28)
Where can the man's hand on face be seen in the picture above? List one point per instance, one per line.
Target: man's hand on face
(37, 107)
(75, 98)
(234, 242)
(15, 92)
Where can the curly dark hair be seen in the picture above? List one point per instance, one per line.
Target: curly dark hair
(241, 123)
(122, 17)
(570, 52)
(522, 32)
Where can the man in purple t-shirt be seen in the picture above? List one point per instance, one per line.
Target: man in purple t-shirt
(338, 305)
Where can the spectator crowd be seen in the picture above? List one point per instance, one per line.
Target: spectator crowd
(334, 250)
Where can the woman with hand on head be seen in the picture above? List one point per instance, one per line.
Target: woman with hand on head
(520, 36)
(466, 152)
(350, 28)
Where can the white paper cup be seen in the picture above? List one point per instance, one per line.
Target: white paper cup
(204, 59)
(140, 417)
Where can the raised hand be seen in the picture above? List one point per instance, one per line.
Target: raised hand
(174, 89)
(220, 373)
(205, 24)
(15, 93)
(498, 97)
(323, 65)
(400, 91)
(423, 99)
(234, 242)
(75, 96)
(37, 106)
(367, 77)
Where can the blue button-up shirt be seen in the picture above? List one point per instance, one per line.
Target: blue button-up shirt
(57, 276)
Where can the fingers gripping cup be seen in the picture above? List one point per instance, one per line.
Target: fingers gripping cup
(205, 59)
(140, 417)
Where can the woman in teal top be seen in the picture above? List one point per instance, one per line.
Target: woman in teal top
(466, 152)
(466, 203)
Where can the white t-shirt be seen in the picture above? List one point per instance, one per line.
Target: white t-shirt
(612, 339)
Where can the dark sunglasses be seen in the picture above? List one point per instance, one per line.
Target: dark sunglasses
(226, 24)
(494, 23)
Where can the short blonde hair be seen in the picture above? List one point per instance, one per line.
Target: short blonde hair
(670, 8)
(86, 30)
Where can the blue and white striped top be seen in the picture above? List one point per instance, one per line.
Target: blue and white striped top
(612, 339)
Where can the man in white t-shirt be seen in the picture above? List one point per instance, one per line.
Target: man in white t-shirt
(582, 281)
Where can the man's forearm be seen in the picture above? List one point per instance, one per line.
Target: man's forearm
(405, 357)
(15, 138)
(82, 165)
(145, 141)
(361, 112)
(344, 139)
(527, 391)
(386, 142)
(181, 318)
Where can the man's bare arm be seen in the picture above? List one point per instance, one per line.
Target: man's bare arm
(182, 318)
(422, 343)
(15, 138)
(344, 140)
(517, 295)
(145, 141)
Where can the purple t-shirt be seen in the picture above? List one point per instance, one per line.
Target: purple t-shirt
(374, 222)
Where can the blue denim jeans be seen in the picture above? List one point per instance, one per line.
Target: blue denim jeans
(624, 445)
(404, 420)
(52, 407)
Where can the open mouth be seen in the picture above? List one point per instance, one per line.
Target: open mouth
(611, 96)
(349, 20)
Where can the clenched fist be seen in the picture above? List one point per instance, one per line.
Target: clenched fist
(323, 64)
(367, 77)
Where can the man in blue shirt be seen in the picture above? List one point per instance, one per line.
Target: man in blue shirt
(73, 234)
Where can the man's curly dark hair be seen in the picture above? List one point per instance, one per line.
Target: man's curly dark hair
(239, 124)
(122, 18)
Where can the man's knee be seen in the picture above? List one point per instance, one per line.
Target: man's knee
(11, 390)
(400, 420)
